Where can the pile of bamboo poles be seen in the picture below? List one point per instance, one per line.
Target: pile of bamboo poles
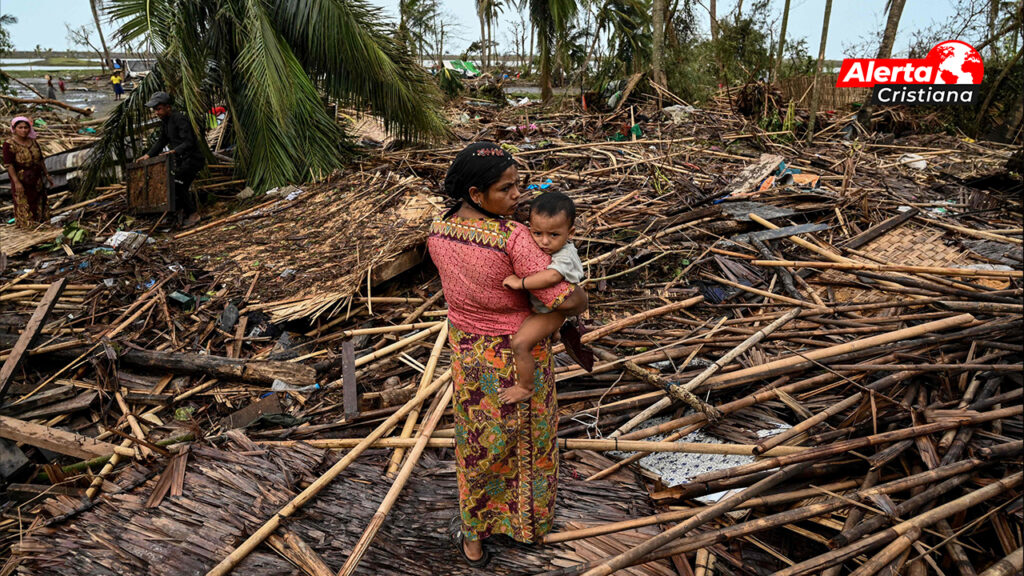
(874, 394)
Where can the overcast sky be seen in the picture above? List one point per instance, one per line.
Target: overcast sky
(42, 21)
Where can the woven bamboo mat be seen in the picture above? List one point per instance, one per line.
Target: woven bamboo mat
(907, 246)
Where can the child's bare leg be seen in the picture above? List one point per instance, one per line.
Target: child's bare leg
(533, 330)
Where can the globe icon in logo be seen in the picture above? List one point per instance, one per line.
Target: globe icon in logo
(956, 63)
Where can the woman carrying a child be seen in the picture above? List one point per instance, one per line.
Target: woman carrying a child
(505, 423)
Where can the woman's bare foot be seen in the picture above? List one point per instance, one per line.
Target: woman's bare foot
(473, 549)
(514, 394)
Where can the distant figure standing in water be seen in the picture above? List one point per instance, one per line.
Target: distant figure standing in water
(51, 92)
(118, 84)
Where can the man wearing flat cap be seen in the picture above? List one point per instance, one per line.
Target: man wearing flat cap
(180, 139)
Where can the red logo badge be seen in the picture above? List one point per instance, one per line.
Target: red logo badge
(950, 74)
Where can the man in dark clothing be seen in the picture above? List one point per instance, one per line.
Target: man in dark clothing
(180, 139)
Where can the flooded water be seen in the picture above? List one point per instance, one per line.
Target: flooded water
(82, 95)
(23, 64)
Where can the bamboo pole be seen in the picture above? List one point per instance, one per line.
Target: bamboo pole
(908, 506)
(841, 447)
(747, 344)
(230, 218)
(344, 334)
(243, 550)
(441, 403)
(1009, 566)
(144, 303)
(726, 358)
(975, 233)
(425, 379)
(596, 444)
(673, 391)
(133, 423)
(937, 270)
(756, 372)
(677, 515)
(769, 295)
(613, 563)
(363, 360)
(698, 541)
(112, 463)
(612, 327)
(933, 515)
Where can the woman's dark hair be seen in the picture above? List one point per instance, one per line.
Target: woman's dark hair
(554, 203)
(20, 122)
(480, 164)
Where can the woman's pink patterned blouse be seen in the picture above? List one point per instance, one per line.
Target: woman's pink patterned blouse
(473, 257)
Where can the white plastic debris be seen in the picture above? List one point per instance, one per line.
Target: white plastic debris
(124, 240)
(913, 161)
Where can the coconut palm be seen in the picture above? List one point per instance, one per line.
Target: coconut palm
(627, 20)
(551, 18)
(271, 62)
(487, 11)
(417, 19)
(96, 7)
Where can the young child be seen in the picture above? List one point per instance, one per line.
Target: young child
(118, 83)
(552, 220)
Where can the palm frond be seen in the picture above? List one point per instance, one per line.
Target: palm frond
(282, 128)
(360, 64)
(141, 19)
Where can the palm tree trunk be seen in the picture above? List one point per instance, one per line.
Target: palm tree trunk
(658, 44)
(529, 63)
(712, 8)
(99, 30)
(483, 37)
(993, 16)
(490, 40)
(545, 67)
(590, 52)
(892, 24)
(782, 43)
(817, 71)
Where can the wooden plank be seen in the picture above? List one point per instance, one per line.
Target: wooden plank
(883, 227)
(350, 398)
(242, 418)
(764, 235)
(750, 178)
(401, 263)
(80, 402)
(29, 334)
(295, 549)
(56, 440)
(44, 398)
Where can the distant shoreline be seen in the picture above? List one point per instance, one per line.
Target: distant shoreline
(72, 54)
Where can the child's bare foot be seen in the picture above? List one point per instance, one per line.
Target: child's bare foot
(514, 394)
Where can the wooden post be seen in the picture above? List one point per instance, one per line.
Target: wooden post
(349, 390)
